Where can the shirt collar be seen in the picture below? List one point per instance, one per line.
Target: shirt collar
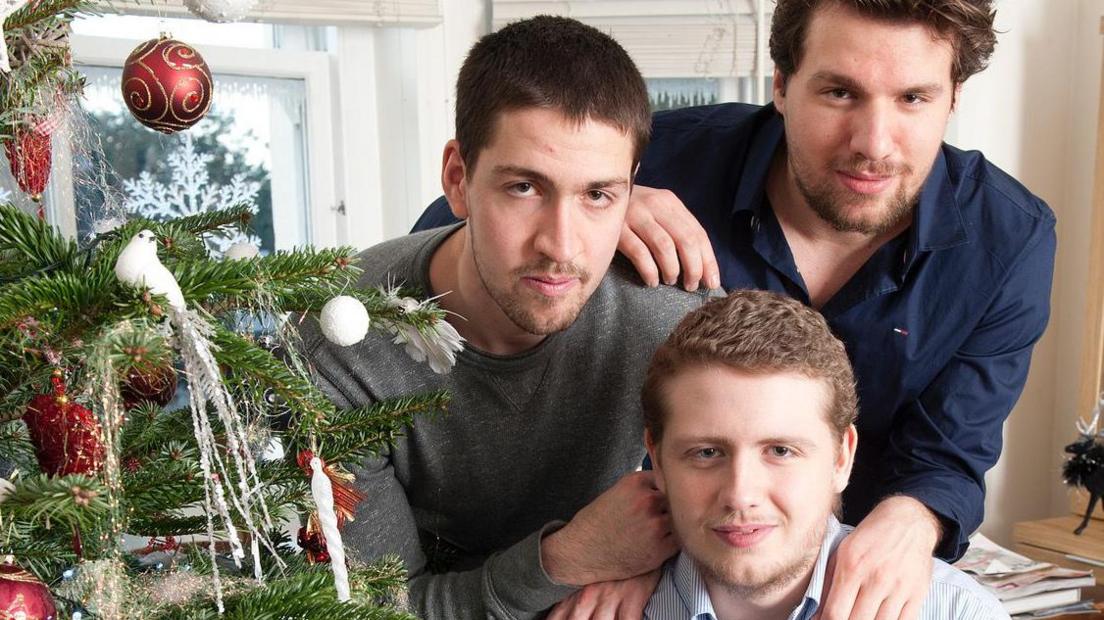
(833, 534)
(691, 589)
(938, 225)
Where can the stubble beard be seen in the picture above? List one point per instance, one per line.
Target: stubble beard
(722, 574)
(521, 313)
(830, 202)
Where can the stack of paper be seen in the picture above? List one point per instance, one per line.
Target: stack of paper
(1022, 584)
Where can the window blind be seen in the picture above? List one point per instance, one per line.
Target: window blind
(309, 12)
(666, 38)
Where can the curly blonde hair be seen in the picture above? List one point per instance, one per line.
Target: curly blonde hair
(755, 332)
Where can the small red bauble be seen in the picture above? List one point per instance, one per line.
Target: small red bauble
(29, 157)
(314, 544)
(167, 85)
(156, 385)
(22, 595)
(67, 437)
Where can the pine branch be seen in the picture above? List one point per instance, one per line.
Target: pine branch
(43, 556)
(352, 434)
(16, 448)
(32, 243)
(34, 12)
(232, 218)
(84, 301)
(249, 360)
(150, 430)
(308, 595)
(72, 500)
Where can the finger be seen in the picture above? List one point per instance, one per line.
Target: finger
(891, 608)
(634, 248)
(867, 603)
(912, 608)
(559, 612)
(840, 597)
(692, 268)
(711, 271)
(662, 247)
(606, 609)
(584, 602)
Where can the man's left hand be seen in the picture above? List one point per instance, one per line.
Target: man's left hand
(882, 571)
(609, 600)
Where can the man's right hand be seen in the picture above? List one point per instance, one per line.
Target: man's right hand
(624, 532)
(660, 235)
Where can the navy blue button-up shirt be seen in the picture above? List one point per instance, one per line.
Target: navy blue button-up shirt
(939, 323)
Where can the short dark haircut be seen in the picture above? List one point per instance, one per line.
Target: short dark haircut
(966, 24)
(549, 62)
(757, 333)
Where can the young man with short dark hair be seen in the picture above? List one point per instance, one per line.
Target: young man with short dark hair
(749, 411)
(523, 491)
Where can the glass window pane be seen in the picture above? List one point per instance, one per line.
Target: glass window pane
(250, 147)
(674, 93)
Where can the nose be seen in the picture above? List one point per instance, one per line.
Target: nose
(745, 484)
(872, 130)
(557, 235)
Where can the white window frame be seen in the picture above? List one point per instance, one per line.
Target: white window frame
(314, 68)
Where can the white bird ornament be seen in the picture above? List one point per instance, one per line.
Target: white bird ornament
(138, 265)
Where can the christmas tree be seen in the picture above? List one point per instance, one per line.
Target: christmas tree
(163, 450)
(88, 373)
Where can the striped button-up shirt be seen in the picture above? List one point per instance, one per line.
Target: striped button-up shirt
(682, 594)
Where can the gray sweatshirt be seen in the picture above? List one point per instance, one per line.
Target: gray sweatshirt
(528, 440)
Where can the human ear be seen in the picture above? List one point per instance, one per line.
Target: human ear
(454, 179)
(845, 458)
(653, 454)
(778, 91)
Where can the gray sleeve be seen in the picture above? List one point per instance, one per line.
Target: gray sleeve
(511, 584)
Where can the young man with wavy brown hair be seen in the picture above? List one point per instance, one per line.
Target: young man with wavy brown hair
(749, 415)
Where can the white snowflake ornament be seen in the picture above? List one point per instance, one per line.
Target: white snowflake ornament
(242, 250)
(344, 321)
(138, 265)
(220, 11)
(190, 192)
(7, 7)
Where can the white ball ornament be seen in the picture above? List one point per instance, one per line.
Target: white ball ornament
(220, 11)
(344, 320)
(241, 251)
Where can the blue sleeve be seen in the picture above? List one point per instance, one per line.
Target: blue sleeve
(946, 439)
(437, 214)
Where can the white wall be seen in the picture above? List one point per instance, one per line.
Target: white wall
(1033, 113)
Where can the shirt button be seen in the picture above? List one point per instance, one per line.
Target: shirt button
(754, 223)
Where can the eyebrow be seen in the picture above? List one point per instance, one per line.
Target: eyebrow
(544, 180)
(933, 88)
(798, 442)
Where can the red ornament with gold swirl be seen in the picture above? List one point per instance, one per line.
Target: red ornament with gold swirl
(22, 596)
(167, 85)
